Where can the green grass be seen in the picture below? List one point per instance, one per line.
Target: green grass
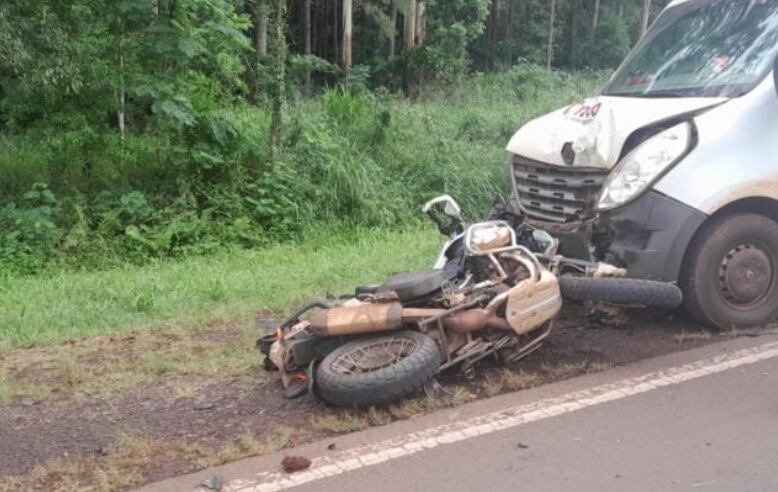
(48, 309)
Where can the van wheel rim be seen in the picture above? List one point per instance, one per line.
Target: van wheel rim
(375, 355)
(746, 275)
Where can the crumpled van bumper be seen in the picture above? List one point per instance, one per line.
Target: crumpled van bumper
(648, 236)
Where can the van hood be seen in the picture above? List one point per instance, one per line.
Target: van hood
(591, 133)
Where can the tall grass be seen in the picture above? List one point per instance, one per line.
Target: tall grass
(360, 159)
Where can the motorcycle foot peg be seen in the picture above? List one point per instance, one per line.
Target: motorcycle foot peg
(433, 389)
(295, 391)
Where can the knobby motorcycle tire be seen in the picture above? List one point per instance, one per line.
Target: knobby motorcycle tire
(624, 291)
(384, 385)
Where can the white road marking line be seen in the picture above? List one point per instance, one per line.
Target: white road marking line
(416, 442)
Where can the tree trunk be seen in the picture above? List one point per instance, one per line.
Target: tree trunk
(161, 7)
(550, 48)
(491, 33)
(122, 99)
(307, 42)
(279, 71)
(260, 30)
(573, 53)
(409, 32)
(595, 19)
(336, 31)
(393, 35)
(645, 17)
(420, 23)
(345, 58)
(509, 22)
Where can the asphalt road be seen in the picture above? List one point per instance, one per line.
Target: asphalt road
(718, 433)
(713, 428)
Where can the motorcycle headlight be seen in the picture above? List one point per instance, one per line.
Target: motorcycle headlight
(643, 165)
(487, 236)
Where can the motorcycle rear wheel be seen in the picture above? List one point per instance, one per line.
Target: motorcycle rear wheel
(377, 370)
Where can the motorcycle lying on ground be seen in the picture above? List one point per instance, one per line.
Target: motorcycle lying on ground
(491, 293)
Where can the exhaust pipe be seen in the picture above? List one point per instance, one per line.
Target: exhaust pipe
(375, 318)
(357, 320)
(463, 322)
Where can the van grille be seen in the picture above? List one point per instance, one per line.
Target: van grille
(554, 193)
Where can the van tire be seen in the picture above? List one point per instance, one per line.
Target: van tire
(730, 272)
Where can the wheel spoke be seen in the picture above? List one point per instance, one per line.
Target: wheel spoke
(373, 355)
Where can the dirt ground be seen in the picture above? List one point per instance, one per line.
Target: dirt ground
(117, 412)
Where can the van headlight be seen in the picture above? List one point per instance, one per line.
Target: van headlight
(644, 165)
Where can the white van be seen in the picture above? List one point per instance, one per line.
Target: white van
(672, 171)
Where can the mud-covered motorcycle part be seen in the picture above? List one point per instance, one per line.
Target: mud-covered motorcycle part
(296, 391)
(308, 349)
(295, 318)
(523, 351)
(308, 386)
(366, 290)
(414, 285)
(364, 318)
(263, 345)
(533, 303)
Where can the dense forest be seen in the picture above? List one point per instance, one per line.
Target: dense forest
(132, 129)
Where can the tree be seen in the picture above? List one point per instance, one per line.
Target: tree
(409, 31)
(420, 22)
(260, 28)
(278, 92)
(393, 34)
(550, 47)
(644, 18)
(307, 41)
(346, 53)
(595, 19)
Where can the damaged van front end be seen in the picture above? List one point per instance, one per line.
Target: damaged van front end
(572, 175)
(672, 171)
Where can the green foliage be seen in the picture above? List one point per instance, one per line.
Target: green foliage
(351, 157)
(29, 229)
(443, 58)
(611, 43)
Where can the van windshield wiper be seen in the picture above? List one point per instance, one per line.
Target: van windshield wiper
(661, 94)
(652, 94)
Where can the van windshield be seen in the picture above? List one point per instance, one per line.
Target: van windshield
(702, 49)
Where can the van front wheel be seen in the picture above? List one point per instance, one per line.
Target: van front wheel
(730, 276)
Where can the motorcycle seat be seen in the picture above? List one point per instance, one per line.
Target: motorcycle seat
(411, 286)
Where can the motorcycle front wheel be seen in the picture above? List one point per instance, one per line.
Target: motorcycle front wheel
(378, 370)
(623, 291)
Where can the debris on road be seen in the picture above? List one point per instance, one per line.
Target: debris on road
(292, 464)
(213, 483)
